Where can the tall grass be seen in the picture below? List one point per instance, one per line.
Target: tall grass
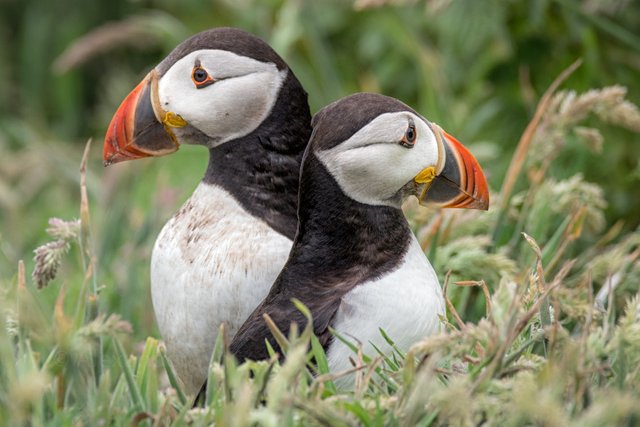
(542, 289)
(543, 326)
(476, 68)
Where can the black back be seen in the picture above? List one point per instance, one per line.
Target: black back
(261, 169)
(224, 38)
(339, 244)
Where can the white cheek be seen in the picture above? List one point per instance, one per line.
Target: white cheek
(374, 173)
(231, 108)
(228, 109)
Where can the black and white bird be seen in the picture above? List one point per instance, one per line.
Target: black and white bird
(355, 263)
(216, 259)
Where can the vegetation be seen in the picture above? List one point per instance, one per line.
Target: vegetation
(543, 290)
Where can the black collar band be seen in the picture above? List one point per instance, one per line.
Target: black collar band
(341, 242)
(261, 170)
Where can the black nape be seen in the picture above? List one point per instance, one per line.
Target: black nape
(261, 170)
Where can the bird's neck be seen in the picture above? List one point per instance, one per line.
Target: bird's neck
(261, 170)
(340, 242)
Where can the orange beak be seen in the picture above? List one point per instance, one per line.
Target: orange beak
(461, 182)
(135, 130)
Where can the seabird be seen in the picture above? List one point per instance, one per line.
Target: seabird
(355, 263)
(216, 259)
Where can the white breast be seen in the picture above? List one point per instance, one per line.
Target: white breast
(406, 303)
(212, 263)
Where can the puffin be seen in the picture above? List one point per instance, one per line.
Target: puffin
(216, 258)
(354, 262)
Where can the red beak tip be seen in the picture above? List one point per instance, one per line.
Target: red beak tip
(481, 196)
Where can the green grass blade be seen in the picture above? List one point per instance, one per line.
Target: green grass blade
(322, 364)
(134, 390)
(173, 378)
(146, 375)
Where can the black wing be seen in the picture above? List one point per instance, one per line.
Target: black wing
(249, 342)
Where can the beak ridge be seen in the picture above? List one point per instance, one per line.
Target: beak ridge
(461, 182)
(134, 131)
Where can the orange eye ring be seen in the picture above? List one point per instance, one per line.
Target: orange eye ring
(201, 78)
(409, 138)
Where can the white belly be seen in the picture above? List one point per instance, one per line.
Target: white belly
(405, 303)
(212, 263)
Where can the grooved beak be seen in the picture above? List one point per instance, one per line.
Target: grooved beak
(460, 183)
(135, 130)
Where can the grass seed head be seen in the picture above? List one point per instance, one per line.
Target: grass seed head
(48, 258)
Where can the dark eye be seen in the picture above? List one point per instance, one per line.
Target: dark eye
(410, 134)
(200, 77)
(409, 137)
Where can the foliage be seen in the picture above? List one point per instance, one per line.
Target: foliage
(542, 289)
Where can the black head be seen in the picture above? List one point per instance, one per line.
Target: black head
(379, 150)
(228, 39)
(218, 86)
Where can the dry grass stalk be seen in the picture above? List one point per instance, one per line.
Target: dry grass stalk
(85, 224)
(280, 338)
(428, 234)
(372, 4)
(103, 39)
(539, 273)
(525, 141)
(21, 275)
(485, 292)
(450, 307)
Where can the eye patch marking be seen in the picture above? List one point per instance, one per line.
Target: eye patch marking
(409, 138)
(201, 78)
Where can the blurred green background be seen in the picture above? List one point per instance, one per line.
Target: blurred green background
(476, 67)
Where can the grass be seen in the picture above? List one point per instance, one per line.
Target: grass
(542, 289)
(543, 324)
